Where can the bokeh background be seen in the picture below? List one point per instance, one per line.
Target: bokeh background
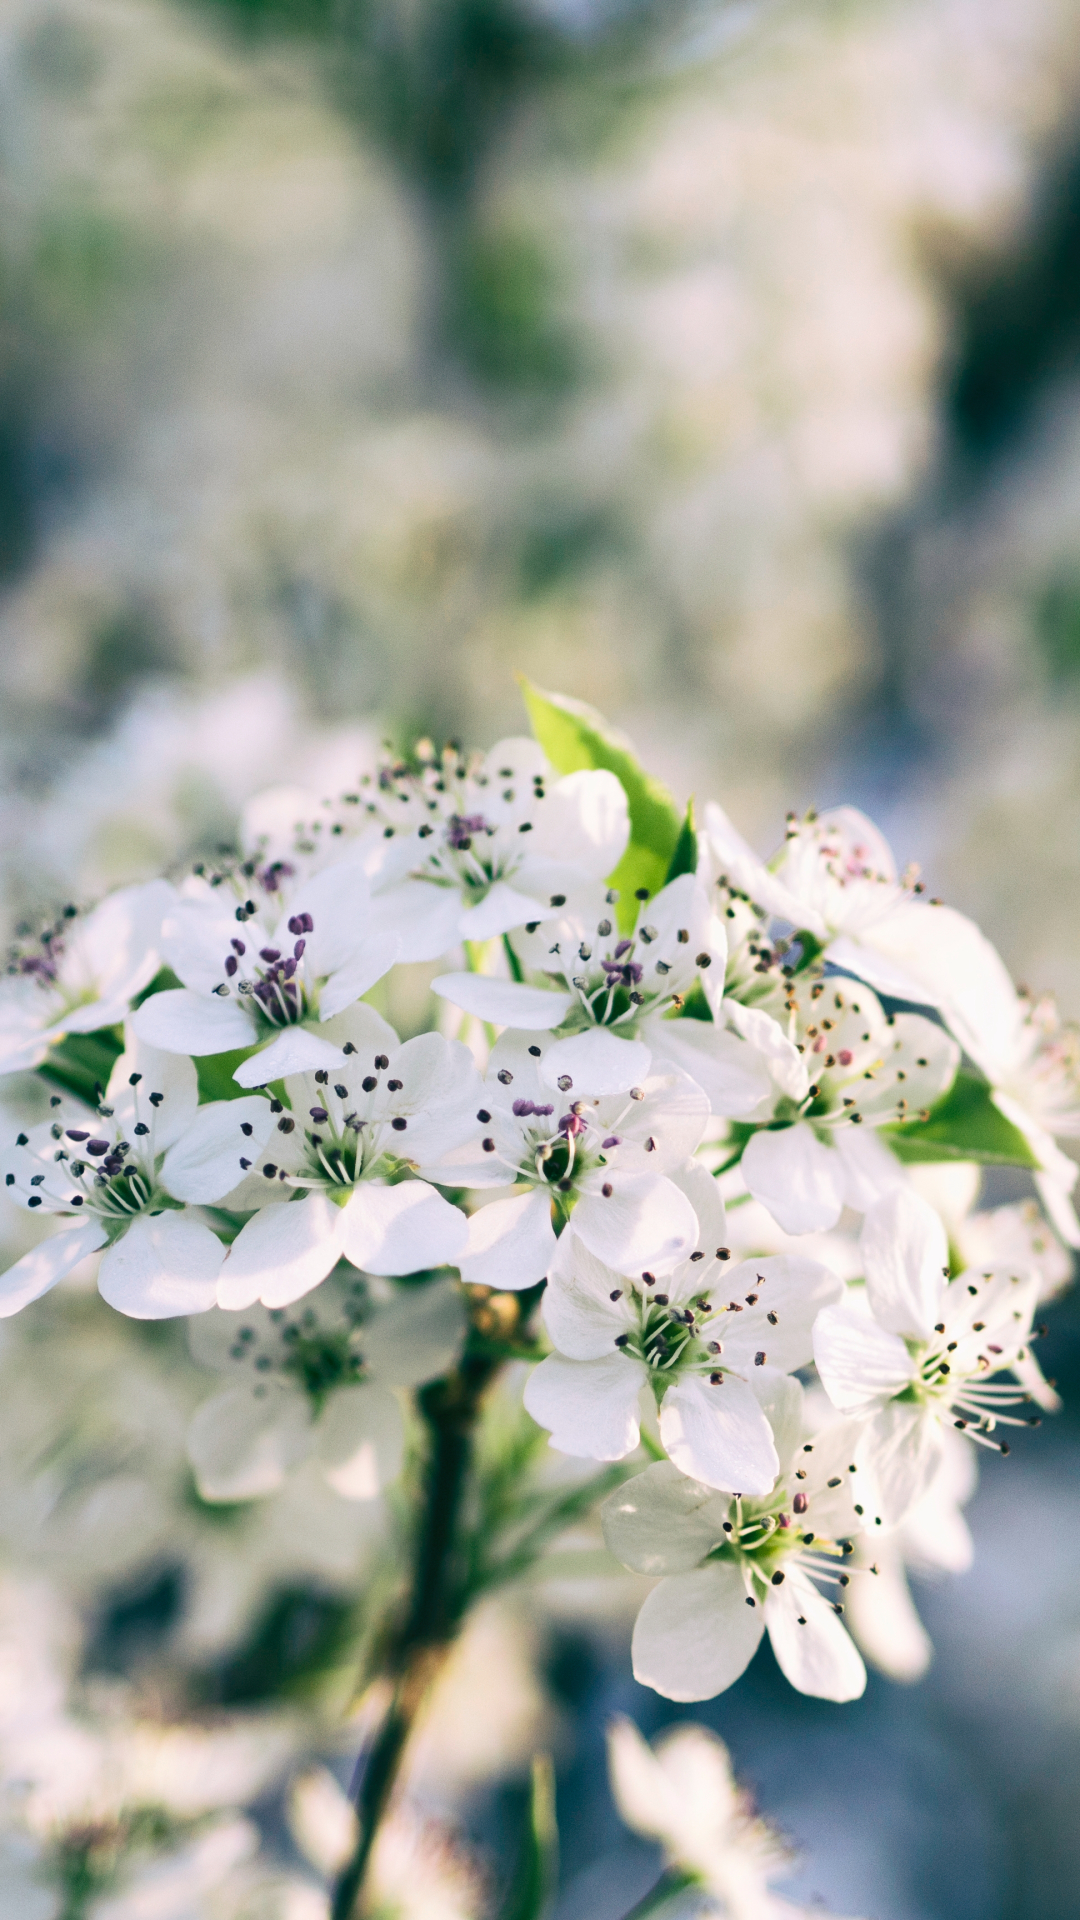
(716, 361)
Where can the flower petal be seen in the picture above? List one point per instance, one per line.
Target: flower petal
(585, 820)
(360, 1441)
(204, 1164)
(180, 1021)
(367, 962)
(164, 1266)
(797, 1177)
(502, 908)
(403, 1229)
(861, 1364)
(416, 1335)
(732, 1074)
(281, 1254)
(643, 1222)
(661, 1522)
(170, 1077)
(785, 1064)
(818, 1657)
(511, 1243)
(297, 1050)
(425, 917)
(47, 1263)
(243, 1442)
(580, 1314)
(901, 1450)
(597, 1061)
(719, 1435)
(695, 1633)
(590, 1407)
(505, 1002)
(906, 1260)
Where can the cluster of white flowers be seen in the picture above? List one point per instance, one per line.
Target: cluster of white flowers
(680, 1092)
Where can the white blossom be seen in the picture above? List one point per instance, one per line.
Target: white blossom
(122, 1178)
(916, 1350)
(734, 1568)
(339, 1150)
(82, 973)
(694, 1340)
(860, 1069)
(265, 964)
(318, 1384)
(681, 1791)
(602, 1160)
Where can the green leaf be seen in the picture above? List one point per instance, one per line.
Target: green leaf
(215, 1073)
(685, 857)
(532, 1891)
(964, 1125)
(575, 736)
(82, 1062)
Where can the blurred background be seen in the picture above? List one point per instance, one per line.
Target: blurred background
(715, 361)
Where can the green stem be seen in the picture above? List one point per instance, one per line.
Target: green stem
(670, 1884)
(449, 1408)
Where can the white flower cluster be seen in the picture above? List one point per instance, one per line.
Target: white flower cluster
(681, 1091)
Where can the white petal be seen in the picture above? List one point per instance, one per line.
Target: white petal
(196, 937)
(360, 1441)
(297, 1050)
(695, 1633)
(597, 1061)
(786, 1066)
(870, 1170)
(204, 1165)
(163, 1267)
(819, 1657)
(511, 1243)
(502, 908)
(860, 1363)
(425, 917)
(243, 1442)
(585, 820)
(661, 1522)
(643, 1223)
(47, 1263)
(367, 963)
(781, 1400)
(590, 1407)
(797, 1177)
(882, 1616)
(902, 1451)
(181, 1021)
(719, 1435)
(791, 1293)
(702, 1189)
(417, 1335)
(170, 1075)
(579, 1313)
(736, 861)
(504, 1002)
(733, 1075)
(281, 1254)
(402, 1229)
(905, 1259)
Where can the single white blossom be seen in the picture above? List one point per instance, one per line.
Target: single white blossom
(122, 1178)
(601, 1160)
(81, 974)
(693, 1338)
(338, 1150)
(861, 1069)
(915, 1351)
(734, 1568)
(317, 1383)
(681, 1791)
(265, 964)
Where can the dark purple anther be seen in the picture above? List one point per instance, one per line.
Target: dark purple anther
(301, 923)
(624, 946)
(231, 964)
(460, 829)
(288, 968)
(270, 954)
(238, 946)
(75, 1133)
(612, 1140)
(298, 950)
(800, 1503)
(97, 1147)
(571, 1125)
(319, 1115)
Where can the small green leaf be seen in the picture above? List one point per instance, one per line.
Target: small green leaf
(685, 857)
(215, 1073)
(964, 1125)
(82, 1062)
(532, 1892)
(575, 736)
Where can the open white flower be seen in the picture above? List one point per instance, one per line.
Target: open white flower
(916, 1351)
(473, 848)
(863, 1069)
(612, 996)
(318, 1384)
(682, 1792)
(733, 1568)
(1016, 1236)
(602, 1160)
(265, 964)
(694, 1340)
(122, 1177)
(339, 1149)
(81, 973)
